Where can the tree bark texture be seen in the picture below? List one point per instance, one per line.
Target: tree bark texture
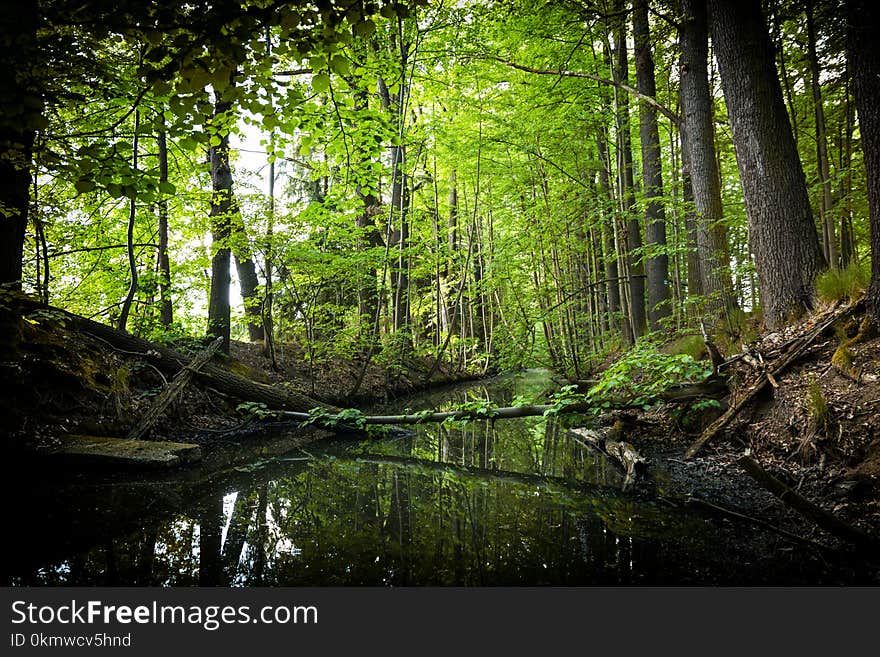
(863, 20)
(222, 208)
(636, 267)
(166, 309)
(698, 142)
(657, 262)
(781, 230)
(21, 107)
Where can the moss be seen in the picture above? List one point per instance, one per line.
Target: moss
(842, 360)
(689, 345)
(817, 406)
(242, 369)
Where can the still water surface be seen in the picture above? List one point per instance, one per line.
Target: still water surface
(514, 503)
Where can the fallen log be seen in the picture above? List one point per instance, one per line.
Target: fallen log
(628, 457)
(172, 390)
(827, 521)
(503, 413)
(792, 354)
(619, 451)
(171, 361)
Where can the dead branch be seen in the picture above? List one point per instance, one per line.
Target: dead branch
(172, 391)
(827, 521)
(786, 359)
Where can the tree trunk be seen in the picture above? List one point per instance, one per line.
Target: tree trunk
(829, 241)
(132, 215)
(781, 229)
(864, 55)
(166, 310)
(698, 137)
(21, 109)
(222, 209)
(635, 266)
(247, 278)
(657, 263)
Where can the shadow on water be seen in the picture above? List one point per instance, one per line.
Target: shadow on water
(514, 503)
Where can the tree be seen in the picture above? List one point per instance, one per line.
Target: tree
(657, 261)
(699, 141)
(21, 105)
(222, 209)
(863, 50)
(781, 229)
(626, 184)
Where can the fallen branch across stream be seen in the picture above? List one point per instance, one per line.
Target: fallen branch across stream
(504, 413)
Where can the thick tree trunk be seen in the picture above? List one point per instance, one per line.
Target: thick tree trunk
(781, 229)
(21, 107)
(863, 20)
(699, 143)
(657, 263)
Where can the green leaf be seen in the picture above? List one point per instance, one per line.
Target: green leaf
(364, 28)
(339, 64)
(167, 188)
(83, 185)
(321, 82)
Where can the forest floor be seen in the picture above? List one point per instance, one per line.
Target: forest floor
(65, 381)
(818, 432)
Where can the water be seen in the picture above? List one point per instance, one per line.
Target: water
(514, 503)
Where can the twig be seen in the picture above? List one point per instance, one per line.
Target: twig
(757, 521)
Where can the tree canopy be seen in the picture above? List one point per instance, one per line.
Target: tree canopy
(486, 184)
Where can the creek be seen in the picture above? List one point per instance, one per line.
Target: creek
(515, 502)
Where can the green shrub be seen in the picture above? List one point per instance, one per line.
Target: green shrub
(843, 284)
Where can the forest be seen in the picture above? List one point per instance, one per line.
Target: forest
(673, 206)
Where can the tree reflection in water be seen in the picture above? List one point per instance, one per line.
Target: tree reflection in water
(514, 503)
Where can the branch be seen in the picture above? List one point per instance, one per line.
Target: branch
(665, 111)
(505, 413)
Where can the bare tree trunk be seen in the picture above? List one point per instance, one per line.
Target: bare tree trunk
(636, 273)
(657, 263)
(132, 214)
(698, 137)
(166, 310)
(781, 229)
(864, 56)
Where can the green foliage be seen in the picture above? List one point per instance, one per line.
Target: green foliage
(843, 284)
(348, 417)
(564, 399)
(256, 411)
(644, 372)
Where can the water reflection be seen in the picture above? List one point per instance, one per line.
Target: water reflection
(512, 503)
